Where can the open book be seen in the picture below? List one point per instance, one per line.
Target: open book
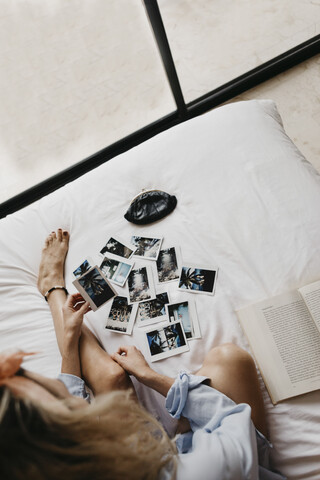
(284, 335)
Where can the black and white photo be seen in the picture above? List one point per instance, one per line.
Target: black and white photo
(115, 270)
(121, 316)
(153, 311)
(198, 279)
(166, 340)
(117, 247)
(168, 265)
(146, 247)
(186, 313)
(95, 288)
(140, 285)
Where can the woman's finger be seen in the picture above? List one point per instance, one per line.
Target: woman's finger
(85, 308)
(78, 305)
(75, 301)
(119, 358)
(122, 350)
(74, 297)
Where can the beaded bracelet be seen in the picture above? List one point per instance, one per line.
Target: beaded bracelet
(57, 287)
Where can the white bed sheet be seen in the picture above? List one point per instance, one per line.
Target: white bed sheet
(247, 203)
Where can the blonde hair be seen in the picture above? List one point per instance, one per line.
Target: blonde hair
(113, 438)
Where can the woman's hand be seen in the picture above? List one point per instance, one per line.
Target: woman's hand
(132, 361)
(73, 311)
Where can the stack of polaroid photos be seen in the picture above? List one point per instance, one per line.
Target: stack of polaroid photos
(170, 326)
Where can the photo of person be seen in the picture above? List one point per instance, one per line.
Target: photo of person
(166, 341)
(146, 247)
(152, 311)
(198, 280)
(140, 286)
(83, 268)
(115, 270)
(94, 288)
(116, 247)
(121, 316)
(185, 312)
(168, 265)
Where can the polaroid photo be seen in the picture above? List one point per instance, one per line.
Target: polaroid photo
(95, 288)
(116, 247)
(168, 265)
(186, 313)
(83, 268)
(121, 316)
(140, 285)
(153, 311)
(146, 247)
(198, 280)
(115, 270)
(166, 340)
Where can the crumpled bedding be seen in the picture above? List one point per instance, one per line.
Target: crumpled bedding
(248, 203)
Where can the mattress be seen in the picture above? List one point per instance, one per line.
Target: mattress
(247, 204)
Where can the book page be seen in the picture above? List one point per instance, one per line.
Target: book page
(311, 296)
(285, 343)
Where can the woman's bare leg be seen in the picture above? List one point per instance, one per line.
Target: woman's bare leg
(99, 371)
(232, 371)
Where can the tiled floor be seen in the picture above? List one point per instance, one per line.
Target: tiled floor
(297, 95)
(215, 41)
(77, 76)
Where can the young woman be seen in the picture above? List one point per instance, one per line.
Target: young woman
(48, 430)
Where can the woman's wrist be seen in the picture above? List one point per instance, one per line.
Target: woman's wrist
(70, 344)
(134, 363)
(72, 336)
(70, 356)
(156, 381)
(146, 376)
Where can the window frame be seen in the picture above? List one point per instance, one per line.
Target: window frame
(184, 111)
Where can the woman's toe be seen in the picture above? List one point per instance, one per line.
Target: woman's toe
(65, 235)
(49, 240)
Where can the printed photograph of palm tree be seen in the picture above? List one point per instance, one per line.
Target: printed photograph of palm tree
(198, 280)
(82, 269)
(94, 288)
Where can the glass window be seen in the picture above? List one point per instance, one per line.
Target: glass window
(215, 41)
(75, 76)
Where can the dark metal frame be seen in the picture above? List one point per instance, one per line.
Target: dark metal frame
(184, 111)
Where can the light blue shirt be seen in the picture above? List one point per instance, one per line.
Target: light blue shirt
(75, 385)
(223, 443)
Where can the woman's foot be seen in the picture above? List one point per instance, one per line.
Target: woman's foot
(51, 270)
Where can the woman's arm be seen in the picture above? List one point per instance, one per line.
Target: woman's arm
(73, 312)
(225, 443)
(132, 360)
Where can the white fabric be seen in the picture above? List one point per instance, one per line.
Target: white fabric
(247, 203)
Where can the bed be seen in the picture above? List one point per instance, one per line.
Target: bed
(247, 203)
